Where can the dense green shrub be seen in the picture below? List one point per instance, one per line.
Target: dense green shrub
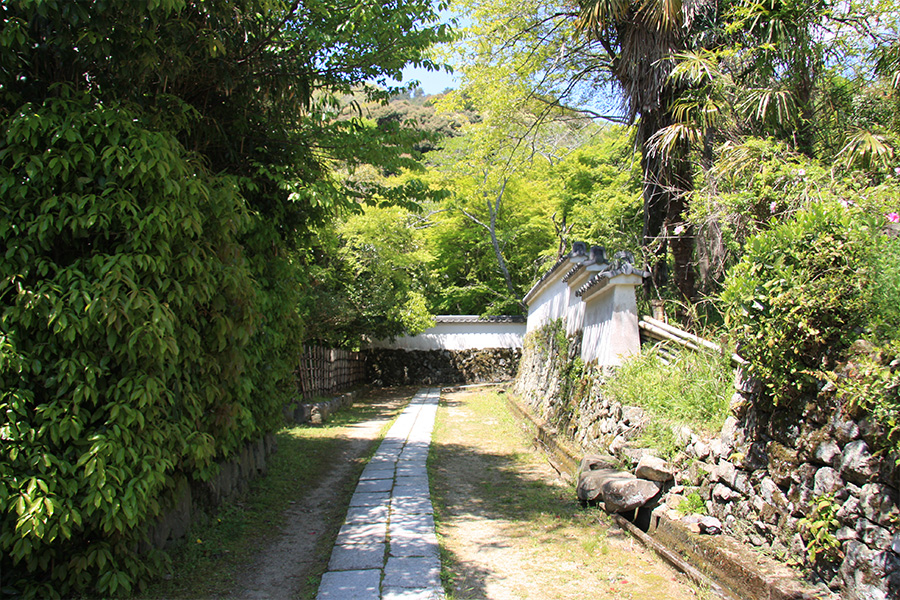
(802, 294)
(150, 310)
(127, 309)
(757, 184)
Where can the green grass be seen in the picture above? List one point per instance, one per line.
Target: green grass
(693, 503)
(693, 390)
(210, 559)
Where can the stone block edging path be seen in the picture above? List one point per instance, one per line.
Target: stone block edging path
(387, 548)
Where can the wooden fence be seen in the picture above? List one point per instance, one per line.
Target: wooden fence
(327, 371)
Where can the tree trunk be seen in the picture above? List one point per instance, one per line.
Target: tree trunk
(496, 244)
(667, 181)
(491, 226)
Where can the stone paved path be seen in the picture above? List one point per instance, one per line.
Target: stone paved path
(387, 548)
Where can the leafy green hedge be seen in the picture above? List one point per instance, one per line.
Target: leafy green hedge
(802, 294)
(150, 297)
(130, 339)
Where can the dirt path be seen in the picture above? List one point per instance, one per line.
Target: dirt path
(510, 529)
(289, 567)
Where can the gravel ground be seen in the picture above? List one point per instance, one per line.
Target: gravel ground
(511, 529)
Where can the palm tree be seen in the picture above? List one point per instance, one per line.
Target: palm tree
(642, 39)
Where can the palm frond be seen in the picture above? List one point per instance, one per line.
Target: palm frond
(736, 160)
(598, 14)
(866, 148)
(666, 140)
(764, 104)
(712, 111)
(686, 111)
(695, 68)
(663, 15)
(887, 62)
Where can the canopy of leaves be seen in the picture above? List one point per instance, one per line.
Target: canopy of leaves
(365, 278)
(162, 165)
(599, 192)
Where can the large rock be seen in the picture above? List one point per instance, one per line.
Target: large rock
(710, 525)
(845, 431)
(783, 463)
(723, 493)
(619, 491)
(654, 469)
(594, 462)
(725, 472)
(590, 483)
(827, 481)
(877, 504)
(857, 463)
(828, 453)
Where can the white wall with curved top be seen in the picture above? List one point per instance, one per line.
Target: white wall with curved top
(551, 303)
(611, 331)
(461, 336)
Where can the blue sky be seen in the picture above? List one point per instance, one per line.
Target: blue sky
(431, 82)
(435, 82)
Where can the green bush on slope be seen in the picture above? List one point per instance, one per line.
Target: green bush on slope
(127, 308)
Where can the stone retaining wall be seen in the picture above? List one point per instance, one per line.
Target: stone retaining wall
(768, 470)
(391, 367)
(193, 501)
(764, 473)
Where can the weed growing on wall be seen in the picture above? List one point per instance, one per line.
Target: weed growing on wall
(693, 389)
(693, 504)
(818, 530)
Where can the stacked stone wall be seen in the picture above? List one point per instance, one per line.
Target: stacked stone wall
(567, 396)
(768, 470)
(391, 367)
(193, 500)
(764, 473)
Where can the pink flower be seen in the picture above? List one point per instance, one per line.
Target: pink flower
(773, 207)
(893, 217)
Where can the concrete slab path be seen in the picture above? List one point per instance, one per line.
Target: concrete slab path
(387, 548)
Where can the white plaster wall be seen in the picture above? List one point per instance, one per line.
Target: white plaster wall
(552, 303)
(461, 336)
(611, 324)
(574, 314)
(575, 310)
(559, 301)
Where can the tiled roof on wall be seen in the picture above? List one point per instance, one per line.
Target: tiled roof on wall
(479, 319)
(579, 249)
(622, 264)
